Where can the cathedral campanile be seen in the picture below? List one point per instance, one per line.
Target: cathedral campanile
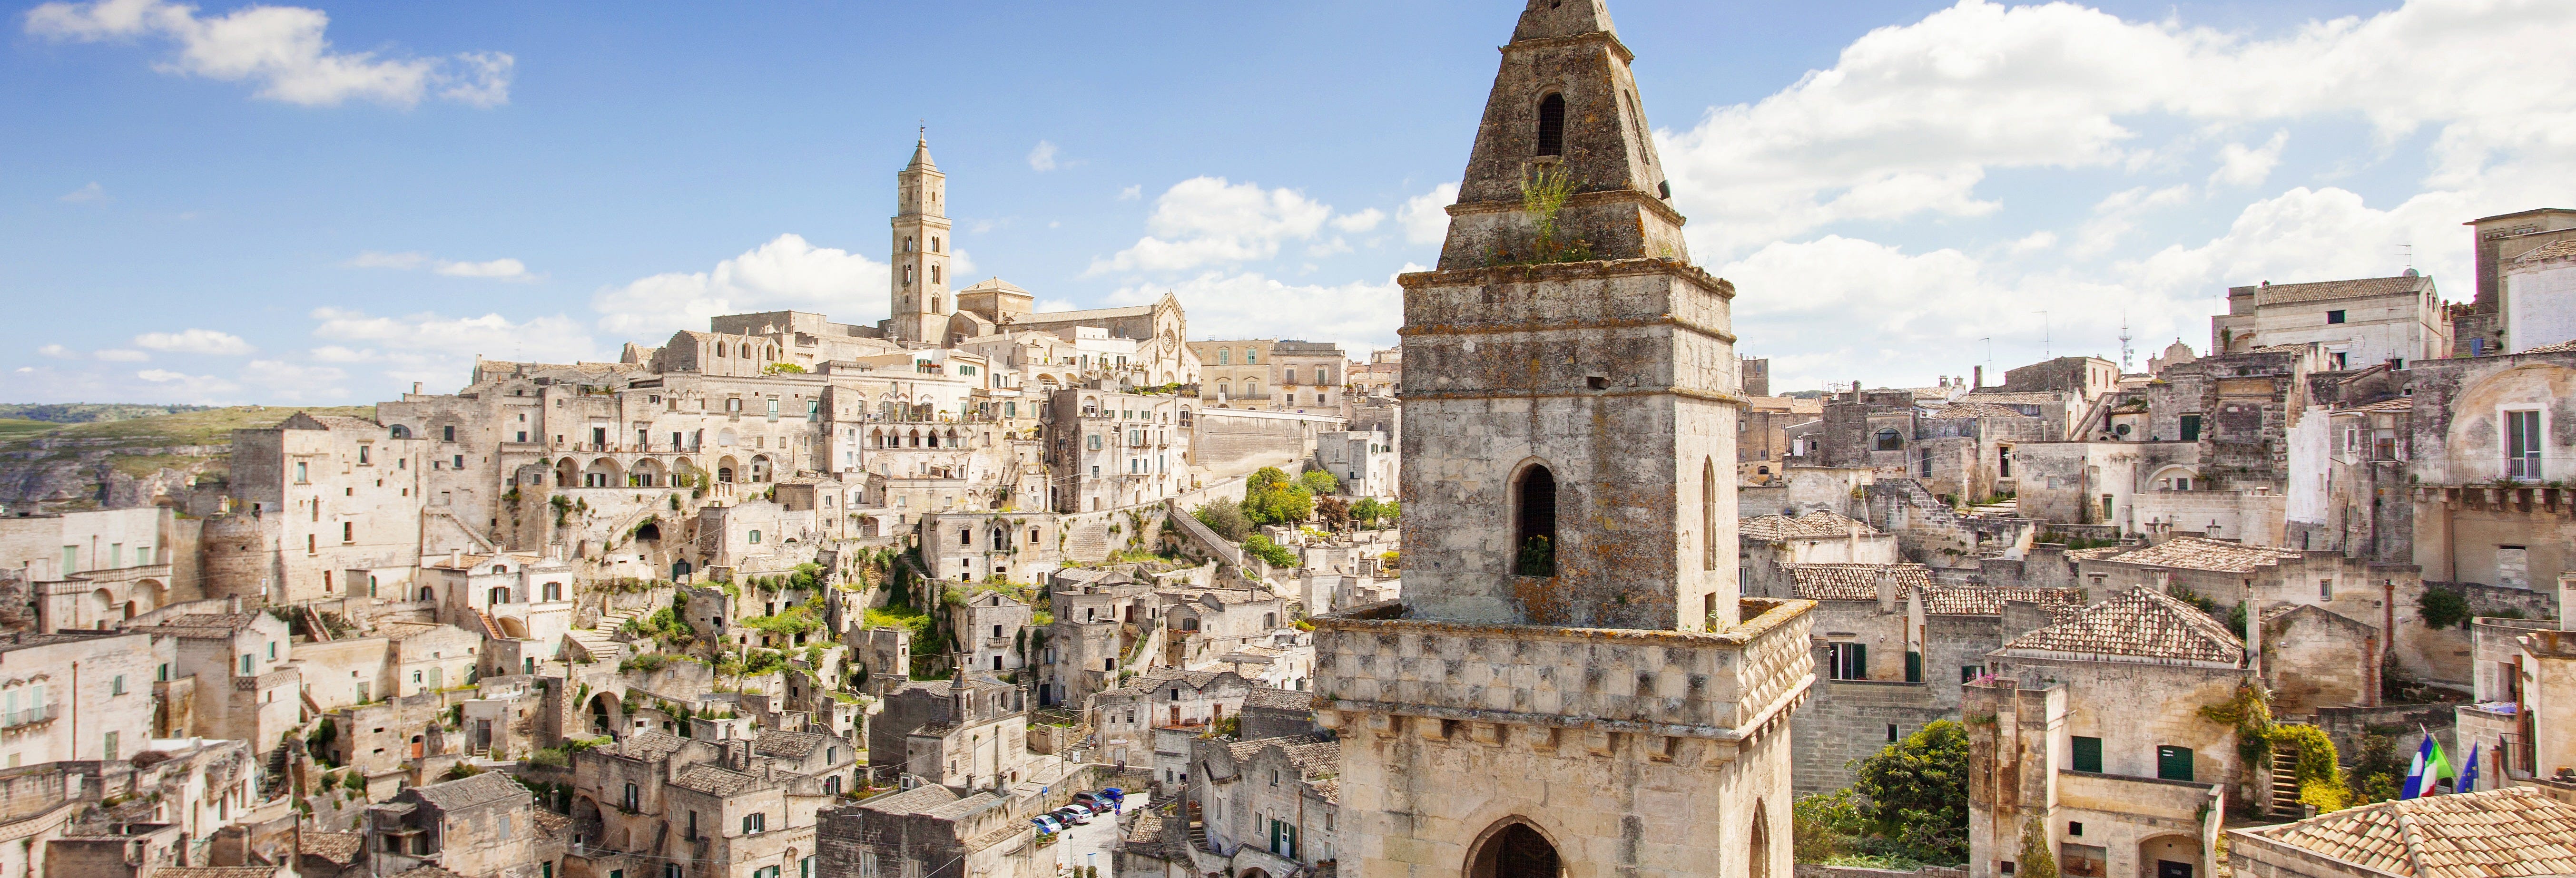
(920, 251)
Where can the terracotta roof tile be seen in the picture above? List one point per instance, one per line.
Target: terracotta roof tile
(2559, 348)
(2492, 834)
(2197, 553)
(341, 848)
(2320, 291)
(713, 780)
(1818, 524)
(2139, 623)
(2400, 404)
(1988, 600)
(1977, 410)
(490, 786)
(2558, 249)
(1853, 582)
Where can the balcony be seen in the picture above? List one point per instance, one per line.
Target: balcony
(28, 717)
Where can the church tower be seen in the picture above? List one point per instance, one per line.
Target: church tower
(1571, 392)
(920, 249)
(1571, 685)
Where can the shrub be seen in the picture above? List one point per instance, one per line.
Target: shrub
(1270, 553)
(1917, 791)
(2443, 608)
(1227, 519)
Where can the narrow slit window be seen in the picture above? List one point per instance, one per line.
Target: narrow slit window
(1534, 524)
(1551, 125)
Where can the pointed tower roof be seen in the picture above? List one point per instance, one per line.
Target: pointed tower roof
(1564, 103)
(921, 154)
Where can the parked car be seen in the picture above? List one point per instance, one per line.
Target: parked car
(1046, 824)
(1097, 804)
(1072, 815)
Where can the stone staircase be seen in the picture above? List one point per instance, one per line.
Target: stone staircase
(2285, 782)
(1198, 828)
(599, 641)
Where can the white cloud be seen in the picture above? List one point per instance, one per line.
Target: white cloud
(195, 341)
(1359, 222)
(497, 269)
(291, 382)
(199, 386)
(1360, 315)
(961, 267)
(1911, 118)
(57, 351)
(1042, 157)
(786, 273)
(91, 192)
(1207, 220)
(2118, 214)
(1425, 217)
(1131, 193)
(282, 48)
(116, 355)
(2034, 242)
(438, 350)
(2241, 166)
(1045, 306)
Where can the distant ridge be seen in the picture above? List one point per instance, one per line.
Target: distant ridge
(89, 412)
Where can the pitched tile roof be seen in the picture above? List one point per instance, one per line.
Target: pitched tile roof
(490, 786)
(341, 848)
(2508, 832)
(1279, 699)
(1988, 600)
(1977, 410)
(2558, 249)
(1818, 524)
(2559, 348)
(2320, 291)
(2198, 553)
(2138, 623)
(2019, 397)
(774, 742)
(646, 745)
(2400, 404)
(713, 780)
(1853, 582)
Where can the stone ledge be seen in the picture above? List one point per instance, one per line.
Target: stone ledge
(1550, 271)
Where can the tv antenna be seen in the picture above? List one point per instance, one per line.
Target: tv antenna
(2124, 342)
(1990, 349)
(2407, 251)
(2045, 351)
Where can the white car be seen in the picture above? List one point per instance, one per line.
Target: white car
(1070, 815)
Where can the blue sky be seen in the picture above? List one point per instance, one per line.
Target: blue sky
(325, 203)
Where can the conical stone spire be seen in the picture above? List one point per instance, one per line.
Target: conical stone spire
(921, 154)
(1564, 103)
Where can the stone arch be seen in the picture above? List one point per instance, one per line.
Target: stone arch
(428, 594)
(567, 473)
(2156, 851)
(150, 594)
(607, 713)
(1514, 847)
(603, 473)
(727, 468)
(646, 473)
(726, 437)
(1759, 866)
(104, 605)
(1533, 519)
(399, 431)
(513, 627)
(2163, 476)
(760, 468)
(1551, 124)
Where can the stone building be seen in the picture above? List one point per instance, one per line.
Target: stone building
(246, 687)
(651, 803)
(2487, 438)
(2355, 323)
(2091, 726)
(1237, 373)
(1311, 376)
(328, 494)
(2521, 720)
(1163, 698)
(1266, 804)
(1767, 545)
(928, 831)
(992, 631)
(1468, 746)
(1101, 617)
(96, 569)
(969, 732)
(483, 826)
(80, 696)
(2485, 327)
(1364, 460)
(1200, 626)
(1117, 449)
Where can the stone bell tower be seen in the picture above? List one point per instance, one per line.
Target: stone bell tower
(920, 251)
(1570, 396)
(1571, 685)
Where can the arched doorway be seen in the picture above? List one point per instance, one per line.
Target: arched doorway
(607, 716)
(1760, 864)
(1534, 541)
(1514, 849)
(2172, 856)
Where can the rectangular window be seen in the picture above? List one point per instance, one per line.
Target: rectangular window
(1913, 667)
(2191, 428)
(1969, 673)
(247, 659)
(2325, 589)
(2522, 445)
(2088, 754)
(447, 434)
(2173, 763)
(118, 686)
(1847, 661)
(2334, 317)
(300, 473)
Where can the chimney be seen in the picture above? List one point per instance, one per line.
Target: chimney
(1886, 590)
(455, 558)
(1980, 373)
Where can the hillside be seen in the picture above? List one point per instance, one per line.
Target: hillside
(86, 412)
(111, 464)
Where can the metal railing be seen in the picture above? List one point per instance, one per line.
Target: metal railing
(30, 716)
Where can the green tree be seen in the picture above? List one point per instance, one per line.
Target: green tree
(1918, 792)
(2036, 860)
(1265, 477)
(1319, 482)
(1269, 552)
(1367, 511)
(2443, 608)
(1227, 519)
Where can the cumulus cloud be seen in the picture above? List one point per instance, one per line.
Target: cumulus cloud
(91, 192)
(1361, 315)
(1208, 220)
(1911, 118)
(1361, 221)
(281, 48)
(1042, 157)
(195, 341)
(439, 350)
(2118, 214)
(2239, 165)
(119, 355)
(1425, 217)
(496, 269)
(293, 382)
(56, 351)
(186, 385)
(786, 273)
(1131, 193)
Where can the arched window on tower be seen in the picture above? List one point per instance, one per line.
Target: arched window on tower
(1551, 125)
(934, 274)
(1890, 440)
(907, 243)
(1534, 523)
(907, 275)
(934, 243)
(1708, 514)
